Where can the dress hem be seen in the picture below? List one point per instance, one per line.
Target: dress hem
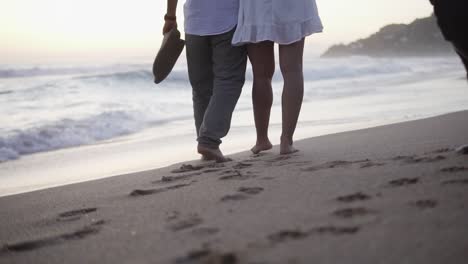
(281, 34)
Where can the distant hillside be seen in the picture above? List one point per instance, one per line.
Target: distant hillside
(420, 38)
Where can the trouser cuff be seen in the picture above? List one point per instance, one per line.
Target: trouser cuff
(209, 142)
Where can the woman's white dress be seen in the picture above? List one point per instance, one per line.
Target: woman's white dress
(280, 21)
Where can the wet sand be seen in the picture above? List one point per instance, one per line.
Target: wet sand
(391, 194)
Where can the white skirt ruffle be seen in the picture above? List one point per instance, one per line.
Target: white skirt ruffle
(281, 21)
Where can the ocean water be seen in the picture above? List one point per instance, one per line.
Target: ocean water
(47, 109)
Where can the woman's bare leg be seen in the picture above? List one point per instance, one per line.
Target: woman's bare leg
(291, 61)
(262, 58)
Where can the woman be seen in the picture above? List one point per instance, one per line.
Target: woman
(260, 25)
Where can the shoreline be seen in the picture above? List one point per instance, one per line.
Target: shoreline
(395, 191)
(160, 165)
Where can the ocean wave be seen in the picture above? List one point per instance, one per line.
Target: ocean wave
(317, 69)
(136, 75)
(69, 133)
(120, 76)
(353, 68)
(40, 71)
(45, 70)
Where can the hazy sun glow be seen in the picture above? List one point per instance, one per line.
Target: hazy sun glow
(39, 31)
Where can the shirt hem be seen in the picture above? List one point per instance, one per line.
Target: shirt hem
(203, 34)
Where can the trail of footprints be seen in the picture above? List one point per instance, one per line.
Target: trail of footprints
(243, 193)
(189, 172)
(296, 234)
(361, 211)
(75, 214)
(184, 177)
(237, 173)
(367, 163)
(192, 222)
(329, 230)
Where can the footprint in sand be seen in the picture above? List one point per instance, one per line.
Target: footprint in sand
(414, 159)
(371, 164)
(171, 179)
(187, 168)
(242, 165)
(34, 244)
(205, 231)
(250, 190)
(244, 193)
(144, 192)
(335, 164)
(454, 169)
(335, 230)
(230, 172)
(425, 204)
(353, 212)
(288, 235)
(456, 182)
(403, 182)
(442, 150)
(75, 214)
(212, 170)
(234, 197)
(191, 221)
(237, 175)
(207, 256)
(355, 197)
(402, 157)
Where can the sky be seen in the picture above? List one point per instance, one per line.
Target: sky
(46, 31)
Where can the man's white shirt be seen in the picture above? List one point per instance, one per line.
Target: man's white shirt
(210, 17)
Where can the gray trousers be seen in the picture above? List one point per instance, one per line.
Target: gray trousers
(217, 75)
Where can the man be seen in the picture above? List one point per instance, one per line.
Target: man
(452, 16)
(216, 68)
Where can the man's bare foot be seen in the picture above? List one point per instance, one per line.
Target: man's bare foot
(287, 149)
(261, 146)
(212, 154)
(205, 158)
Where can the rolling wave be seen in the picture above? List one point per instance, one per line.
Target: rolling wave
(69, 133)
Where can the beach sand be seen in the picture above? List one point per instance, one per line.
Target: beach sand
(391, 194)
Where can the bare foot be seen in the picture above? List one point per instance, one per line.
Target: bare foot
(205, 158)
(287, 149)
(261, 146)
(212, 154)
